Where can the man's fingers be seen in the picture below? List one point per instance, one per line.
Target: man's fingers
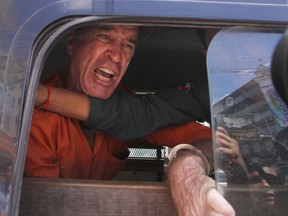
(224, 151)
(218, 205)
(222, 130)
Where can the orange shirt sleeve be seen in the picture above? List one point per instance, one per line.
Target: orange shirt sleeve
(187, 133)
(41, 157)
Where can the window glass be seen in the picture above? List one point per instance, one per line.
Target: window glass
(249, 120)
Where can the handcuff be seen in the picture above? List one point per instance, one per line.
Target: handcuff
(185, 148)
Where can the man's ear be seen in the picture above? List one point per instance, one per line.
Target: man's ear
(70, 42)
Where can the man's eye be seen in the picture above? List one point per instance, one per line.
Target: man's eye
(129, 46)
(103, 36)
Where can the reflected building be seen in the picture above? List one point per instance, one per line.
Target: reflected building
(253, 114)
(257, 118)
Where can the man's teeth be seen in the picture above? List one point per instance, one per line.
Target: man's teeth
(106, 70)
(102, 77)
(104, 74)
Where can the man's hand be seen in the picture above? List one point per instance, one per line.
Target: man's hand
(217, 205)
(193, 192)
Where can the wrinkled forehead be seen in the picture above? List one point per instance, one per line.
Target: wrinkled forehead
(115, 27)
(130, 31)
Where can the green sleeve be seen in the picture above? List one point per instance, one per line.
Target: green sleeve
(126, 116)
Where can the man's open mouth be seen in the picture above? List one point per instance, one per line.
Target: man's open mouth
(104, 74)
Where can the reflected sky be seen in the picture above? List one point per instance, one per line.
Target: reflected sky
(233, 56)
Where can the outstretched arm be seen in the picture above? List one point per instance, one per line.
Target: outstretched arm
(125, 116)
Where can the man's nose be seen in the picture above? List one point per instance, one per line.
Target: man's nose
(114, 53)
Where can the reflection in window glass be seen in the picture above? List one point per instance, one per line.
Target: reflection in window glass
(248, 111)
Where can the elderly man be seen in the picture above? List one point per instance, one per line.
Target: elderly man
(59, 147)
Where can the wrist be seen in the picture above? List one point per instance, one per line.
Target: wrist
(182, 151)
(43, 96)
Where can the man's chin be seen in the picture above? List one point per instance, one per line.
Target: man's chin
(100, 94)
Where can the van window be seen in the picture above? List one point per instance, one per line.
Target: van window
(250, 116)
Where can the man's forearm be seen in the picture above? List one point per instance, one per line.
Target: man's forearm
(193, 192)
(189, 184)
(64, 102)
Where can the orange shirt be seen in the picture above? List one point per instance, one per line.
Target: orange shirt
(186, 133)
(58, 147)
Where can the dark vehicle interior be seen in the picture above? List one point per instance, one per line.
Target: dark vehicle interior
(165, 56)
